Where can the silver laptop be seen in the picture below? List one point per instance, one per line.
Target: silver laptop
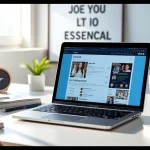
(98, 85)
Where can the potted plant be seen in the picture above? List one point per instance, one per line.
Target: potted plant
(36, 79)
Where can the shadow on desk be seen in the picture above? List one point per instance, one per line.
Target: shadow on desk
(133, 126)
(44, 93)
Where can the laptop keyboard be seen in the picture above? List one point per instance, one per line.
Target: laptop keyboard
(83, 111)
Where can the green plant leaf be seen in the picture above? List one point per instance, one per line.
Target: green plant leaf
(28, 66)
(48, 66)
(38, 67)
(37, 62)
(34, 66)
(42, 69)
(38, 70)
(45, 68)
(34, 63)
(46, 62)
(43, 61)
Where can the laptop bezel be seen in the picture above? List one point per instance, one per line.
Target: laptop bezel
(102, 105)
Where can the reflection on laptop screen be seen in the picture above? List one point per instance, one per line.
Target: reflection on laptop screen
(102, 75)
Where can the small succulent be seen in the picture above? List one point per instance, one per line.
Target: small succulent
(38, 67)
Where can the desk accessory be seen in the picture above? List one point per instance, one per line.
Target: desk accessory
(36, 79)
(20, 107)
(12, 104)
(5, 80)
(1, 124)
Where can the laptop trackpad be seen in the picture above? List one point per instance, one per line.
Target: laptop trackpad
(63, 117)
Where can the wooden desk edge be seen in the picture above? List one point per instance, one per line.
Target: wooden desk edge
(10, 144)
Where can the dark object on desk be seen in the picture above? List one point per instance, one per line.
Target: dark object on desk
(22, 101)
(5, 80)
(20, 107)
(1, 125)
(13, 104)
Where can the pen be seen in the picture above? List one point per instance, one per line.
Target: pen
(22, 107)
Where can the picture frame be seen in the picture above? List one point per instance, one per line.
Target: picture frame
(100, 25)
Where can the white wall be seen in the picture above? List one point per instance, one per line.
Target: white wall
(137, 23)
(41, 28)
(41, 38)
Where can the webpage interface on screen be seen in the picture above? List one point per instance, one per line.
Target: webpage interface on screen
(102, 75)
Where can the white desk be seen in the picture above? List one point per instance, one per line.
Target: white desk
(16, 132)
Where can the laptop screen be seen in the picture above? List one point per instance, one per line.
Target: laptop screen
(102, 75)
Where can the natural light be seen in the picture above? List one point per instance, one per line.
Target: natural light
(10, 19)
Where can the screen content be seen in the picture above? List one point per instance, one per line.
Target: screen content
(102, 75)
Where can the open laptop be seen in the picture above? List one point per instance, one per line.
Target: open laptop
(98, 85)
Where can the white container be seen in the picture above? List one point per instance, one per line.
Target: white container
(36, 82)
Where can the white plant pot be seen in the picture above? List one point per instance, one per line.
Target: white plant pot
(36, 82)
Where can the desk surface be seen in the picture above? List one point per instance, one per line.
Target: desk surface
(17, 132)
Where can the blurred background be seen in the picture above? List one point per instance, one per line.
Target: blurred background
(36, 30)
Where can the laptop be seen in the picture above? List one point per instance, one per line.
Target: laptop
(98, 85)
